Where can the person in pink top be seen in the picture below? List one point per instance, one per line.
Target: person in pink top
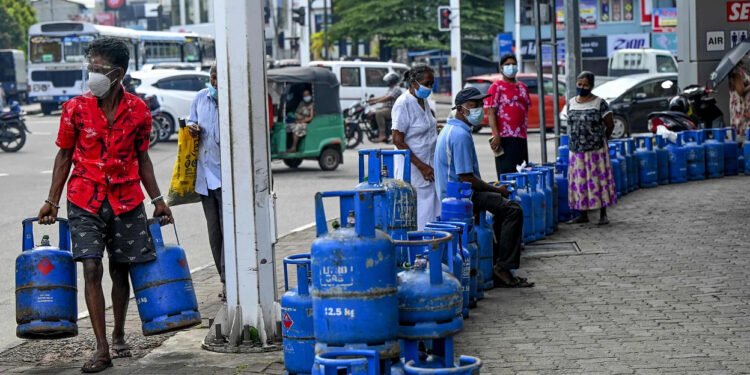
(508, 112)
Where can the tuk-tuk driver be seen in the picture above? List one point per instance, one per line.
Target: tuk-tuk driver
(302, 116)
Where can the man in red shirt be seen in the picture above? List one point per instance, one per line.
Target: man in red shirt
(104, 135)
(508, 112)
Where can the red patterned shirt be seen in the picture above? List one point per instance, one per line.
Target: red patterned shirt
(511, 102)
(105, 159)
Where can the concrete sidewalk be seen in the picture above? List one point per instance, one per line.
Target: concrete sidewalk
(663, 289)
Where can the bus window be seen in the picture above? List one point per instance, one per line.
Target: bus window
(191, 51)
(45, 50)
(74, 47)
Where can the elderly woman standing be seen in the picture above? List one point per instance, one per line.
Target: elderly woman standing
(591, 183)
(739, 99)
(415, 129)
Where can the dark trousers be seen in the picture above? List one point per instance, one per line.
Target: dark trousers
(508, 227)
(516, 150)
(214, 221)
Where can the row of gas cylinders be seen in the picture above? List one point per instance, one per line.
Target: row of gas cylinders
(375, 296)
(647, 161)
(46, 291)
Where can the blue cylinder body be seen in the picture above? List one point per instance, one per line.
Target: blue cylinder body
(563, 152)
(469, 240)
(396, 209)
(564, 212)
(546, 182)
(349, 362)
(662, 160)
(484, 240)
(46, 302)
(746, 153)
(714, 145)
(163, 288)
(696, 156)
(297, 318)
(731, 152)
(647, 162)
(678, 167)
(354, 288)
(461, 259)
(633, 172)
(552, 182)
(616, 170)
(623, 166)
(429, 298)
(466, 366)
(457, 207)
(523, 197)
(539, 203)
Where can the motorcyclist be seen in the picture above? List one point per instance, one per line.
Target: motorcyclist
(383, 114)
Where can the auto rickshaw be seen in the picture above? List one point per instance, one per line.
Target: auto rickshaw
(324, 140)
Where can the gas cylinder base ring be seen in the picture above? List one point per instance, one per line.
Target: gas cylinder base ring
(177, 322)
(431, 330)
(390, 350)
(47, 330)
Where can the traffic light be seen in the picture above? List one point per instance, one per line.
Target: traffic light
(299, 15)
(444, 18)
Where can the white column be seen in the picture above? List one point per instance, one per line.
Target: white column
(456, 70)
(517, 36)
(248, 210)
(210, 11)
(183, 15)
(196, 11)
(304, 39)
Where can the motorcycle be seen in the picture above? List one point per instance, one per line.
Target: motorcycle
(12, 128)
(694, 108)
(360, 120)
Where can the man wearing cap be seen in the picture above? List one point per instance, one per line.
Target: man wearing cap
(456, 161)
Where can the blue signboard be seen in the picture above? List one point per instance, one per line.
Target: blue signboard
(667, 41)
(504, 44)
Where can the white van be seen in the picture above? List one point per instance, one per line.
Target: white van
(646, 60)
(360, 79)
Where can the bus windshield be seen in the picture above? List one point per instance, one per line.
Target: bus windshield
(75, 47)
(192, 50)
(44, 49)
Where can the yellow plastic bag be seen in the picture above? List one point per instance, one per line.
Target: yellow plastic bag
(182, 187)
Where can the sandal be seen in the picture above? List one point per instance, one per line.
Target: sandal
(518, 282)
(603, 221)
(121, 351)
(94, 365)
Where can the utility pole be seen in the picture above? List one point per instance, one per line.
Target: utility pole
(555, 88)
(249, 317)
(325, 30)
(517, 36)
(572, 46)
(456, 73)
(540, 80)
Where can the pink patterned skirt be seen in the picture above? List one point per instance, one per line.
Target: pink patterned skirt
(591, 183)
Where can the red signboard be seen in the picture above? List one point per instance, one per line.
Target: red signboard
(738, 11)
(646, 10)
(114, 4)
(107, 19)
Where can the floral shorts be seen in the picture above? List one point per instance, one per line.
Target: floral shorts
(298, 128)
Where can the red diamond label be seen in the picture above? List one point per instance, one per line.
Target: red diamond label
(182, 262)
(45, 266)
(287, 321)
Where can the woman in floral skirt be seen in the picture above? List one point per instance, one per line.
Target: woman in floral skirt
(591, 184)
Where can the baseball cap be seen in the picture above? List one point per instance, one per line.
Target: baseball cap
(468, 94)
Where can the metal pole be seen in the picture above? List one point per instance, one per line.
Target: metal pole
(519, 53)
(325, 29)
(304, 39)
(572, 46)
(555, 88)
(248, 202)
(540, 81)
(456, 66)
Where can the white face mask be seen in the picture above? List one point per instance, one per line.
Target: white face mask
(307, 99)
(99, 84)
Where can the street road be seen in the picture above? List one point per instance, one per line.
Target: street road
(25, 178)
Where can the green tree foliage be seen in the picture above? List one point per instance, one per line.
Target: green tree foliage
(15, 18)
(413, 24)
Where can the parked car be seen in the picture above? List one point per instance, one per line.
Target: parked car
(645, 60)
(483, 83)
(361, 79)
(172, 66)
(13, 77)
(631, 99)
(175, 90)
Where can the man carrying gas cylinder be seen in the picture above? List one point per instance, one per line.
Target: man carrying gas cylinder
(104, 136)
(456, 161)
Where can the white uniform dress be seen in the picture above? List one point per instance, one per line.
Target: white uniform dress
(420, 134)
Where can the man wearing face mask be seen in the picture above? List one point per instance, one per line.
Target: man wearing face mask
(508, 111)
(203, 123)
(303, 115)
(104, 135)
(456, 161)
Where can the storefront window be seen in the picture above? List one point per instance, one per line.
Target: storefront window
(616, 10)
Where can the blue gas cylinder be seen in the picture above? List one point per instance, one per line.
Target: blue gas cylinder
(469, 241)
(539, 203)
(546, 182)
(46, 302)
(564, 212)
(746, 153)
(461, 268)
(466, 365)
(563, 151)
(620, 145)
(731, 152)
(429, 298)
(662, 160)
(457, 202)
(714, 145)
(354, 288)
(552, 181)
(163, 288)
(696, 155)
(484, 240)
(634, 177)
(396, 209)
(523, 197)
(678, 172)
(647, 162)
(297, 319)
(616, 170)
(348, 362)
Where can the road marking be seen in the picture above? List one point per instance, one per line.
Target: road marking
(4, 174)
(41, 133)
(46, 172)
